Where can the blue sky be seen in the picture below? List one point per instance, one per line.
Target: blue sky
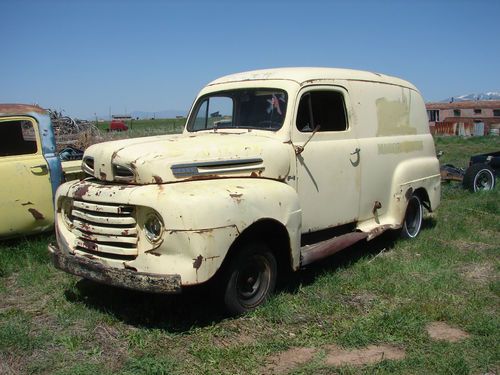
(87, 56)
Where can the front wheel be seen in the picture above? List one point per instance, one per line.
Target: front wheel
(413, 218)
(479, 177)
(250, 278)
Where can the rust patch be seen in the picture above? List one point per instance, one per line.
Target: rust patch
(203, 177)
(197, 262)
(81, 191)
(36, 214)
(158, 179)
(20, 109)
(27, 204)
(312, 253)
(102, 175)
(89, 245)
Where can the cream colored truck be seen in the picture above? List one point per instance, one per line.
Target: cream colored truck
(275, 169)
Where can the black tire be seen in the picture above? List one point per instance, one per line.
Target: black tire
(412, 223)
(250, 278)
(479, 177)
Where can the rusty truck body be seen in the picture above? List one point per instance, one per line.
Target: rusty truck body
(275, 169)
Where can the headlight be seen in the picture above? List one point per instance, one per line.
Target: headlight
(153, 227)
(66, 212)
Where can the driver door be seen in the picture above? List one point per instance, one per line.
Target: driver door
(25, 191)
(328, 168)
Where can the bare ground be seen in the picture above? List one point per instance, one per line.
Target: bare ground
(285, 361)
(335, 356)
(358, 357)
(444, 332)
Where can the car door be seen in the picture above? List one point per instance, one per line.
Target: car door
(328, 168)
(25, 189)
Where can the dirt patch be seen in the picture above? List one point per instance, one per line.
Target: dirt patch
(114, 350)
(240, 332)
(335, 356)
(443, 332)
(481, 273)
(285, 361)
(466, 246)
(358, 357)
(362, 301)
(10, 365)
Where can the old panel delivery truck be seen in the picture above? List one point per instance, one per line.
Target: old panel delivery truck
(275, 169)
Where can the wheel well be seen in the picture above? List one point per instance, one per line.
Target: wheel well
(270, 232)
(424, 198)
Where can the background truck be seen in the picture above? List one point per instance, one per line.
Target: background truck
(306, 162)
(479, 176)
(31, 170)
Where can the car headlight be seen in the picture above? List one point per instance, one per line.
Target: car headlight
(153, 227)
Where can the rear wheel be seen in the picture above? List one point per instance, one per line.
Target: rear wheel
(479, 177)
(413, 218)
(250, 278)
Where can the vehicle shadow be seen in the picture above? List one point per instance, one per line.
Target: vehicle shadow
(199, 306)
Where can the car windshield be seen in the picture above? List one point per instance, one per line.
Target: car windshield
(248, 109)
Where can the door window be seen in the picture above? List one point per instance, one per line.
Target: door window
(323, 108)
(17, 138)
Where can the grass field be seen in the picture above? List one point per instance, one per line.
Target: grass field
(170, 125)
(384, 295)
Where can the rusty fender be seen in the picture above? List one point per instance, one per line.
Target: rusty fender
(204, 218)
(125, 278)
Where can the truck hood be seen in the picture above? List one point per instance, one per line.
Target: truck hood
(173, 158)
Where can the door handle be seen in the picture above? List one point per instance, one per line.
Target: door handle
(355, 152)
(39, 169)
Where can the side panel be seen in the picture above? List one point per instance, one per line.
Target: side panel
(394, 136)
(26, 191)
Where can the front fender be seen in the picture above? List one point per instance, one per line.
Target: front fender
(204, 218)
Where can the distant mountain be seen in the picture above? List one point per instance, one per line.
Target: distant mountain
(493, 95)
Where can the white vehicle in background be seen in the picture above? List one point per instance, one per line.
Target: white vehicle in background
(306, 162)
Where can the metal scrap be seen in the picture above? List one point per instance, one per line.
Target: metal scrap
(71, 131)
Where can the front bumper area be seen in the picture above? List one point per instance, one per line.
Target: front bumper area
(125, 278)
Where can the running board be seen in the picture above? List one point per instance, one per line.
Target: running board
(323, 249)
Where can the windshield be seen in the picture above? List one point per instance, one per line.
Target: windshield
(235, 109)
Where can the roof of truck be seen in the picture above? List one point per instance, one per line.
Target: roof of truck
(304, 75)
(19, 109)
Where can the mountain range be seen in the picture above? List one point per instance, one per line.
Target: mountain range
(493, 95)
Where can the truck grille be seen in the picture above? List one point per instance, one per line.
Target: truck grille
(104, 229)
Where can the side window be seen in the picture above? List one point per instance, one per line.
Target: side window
(217, 110)
(323, 108)
(17, 138)
(200, 122)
